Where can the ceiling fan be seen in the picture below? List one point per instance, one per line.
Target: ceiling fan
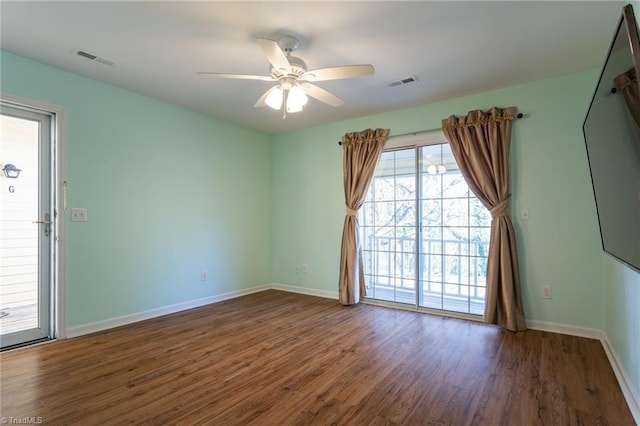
(294, 80)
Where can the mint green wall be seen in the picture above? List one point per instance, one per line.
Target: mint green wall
(622, 314)
(169, 193)
(559, 245)
(621, 286)
(151, 230)
(250, 211)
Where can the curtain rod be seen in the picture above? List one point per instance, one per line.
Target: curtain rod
(519, 115)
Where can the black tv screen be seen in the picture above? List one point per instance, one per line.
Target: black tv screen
(612, 139)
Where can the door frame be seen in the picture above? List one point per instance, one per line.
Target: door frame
(59, 176)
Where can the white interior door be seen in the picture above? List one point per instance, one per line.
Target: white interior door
(27, 225)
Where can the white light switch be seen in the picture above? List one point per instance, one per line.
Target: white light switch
(78, 215)
(524, 214)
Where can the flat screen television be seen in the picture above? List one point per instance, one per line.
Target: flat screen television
(612, 138)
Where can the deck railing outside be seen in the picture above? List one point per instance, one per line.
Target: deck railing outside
(453, 270)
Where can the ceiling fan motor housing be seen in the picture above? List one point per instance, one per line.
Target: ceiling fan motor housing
(295, 82)
(298, 67)
(288, 43)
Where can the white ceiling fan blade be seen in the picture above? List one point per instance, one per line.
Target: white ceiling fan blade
(322, 95)
(275, 55)
(261, 102)
(337, 73)
(239, 76)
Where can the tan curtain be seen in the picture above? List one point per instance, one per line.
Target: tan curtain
(361, 154)
(628, 84)
(480, 143)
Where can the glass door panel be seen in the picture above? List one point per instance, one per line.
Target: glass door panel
(26, 226)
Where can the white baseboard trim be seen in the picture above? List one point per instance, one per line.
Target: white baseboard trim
(571, 330)
(305, 290)
(629, 392)
(81, 330)
(106, 324)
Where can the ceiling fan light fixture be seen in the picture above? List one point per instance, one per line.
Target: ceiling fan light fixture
(293, 89)
(274, 99)
(434, 169)
(294, 108)
(296, 99)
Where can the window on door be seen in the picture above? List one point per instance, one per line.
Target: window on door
(27, 220)
(425, 236)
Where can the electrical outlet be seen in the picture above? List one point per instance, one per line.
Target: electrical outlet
(304, 268)
(524, 214)
(546, 292)
(204, 275)
(78, 215)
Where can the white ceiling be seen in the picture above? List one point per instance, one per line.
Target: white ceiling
(454, 48)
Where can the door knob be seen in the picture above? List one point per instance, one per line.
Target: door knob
(47, 224)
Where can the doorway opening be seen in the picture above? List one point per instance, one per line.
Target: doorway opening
(28, 224)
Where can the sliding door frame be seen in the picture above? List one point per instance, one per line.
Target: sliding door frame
(416, 142)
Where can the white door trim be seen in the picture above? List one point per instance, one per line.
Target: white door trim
(60, 169)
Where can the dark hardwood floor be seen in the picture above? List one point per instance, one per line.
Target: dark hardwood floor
(275, 358)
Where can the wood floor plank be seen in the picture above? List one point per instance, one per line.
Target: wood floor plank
(277, 358)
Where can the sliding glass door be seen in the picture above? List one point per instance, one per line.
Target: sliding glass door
(425, 236)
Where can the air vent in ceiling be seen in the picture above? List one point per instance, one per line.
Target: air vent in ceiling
(93, 57)
(401, 81)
